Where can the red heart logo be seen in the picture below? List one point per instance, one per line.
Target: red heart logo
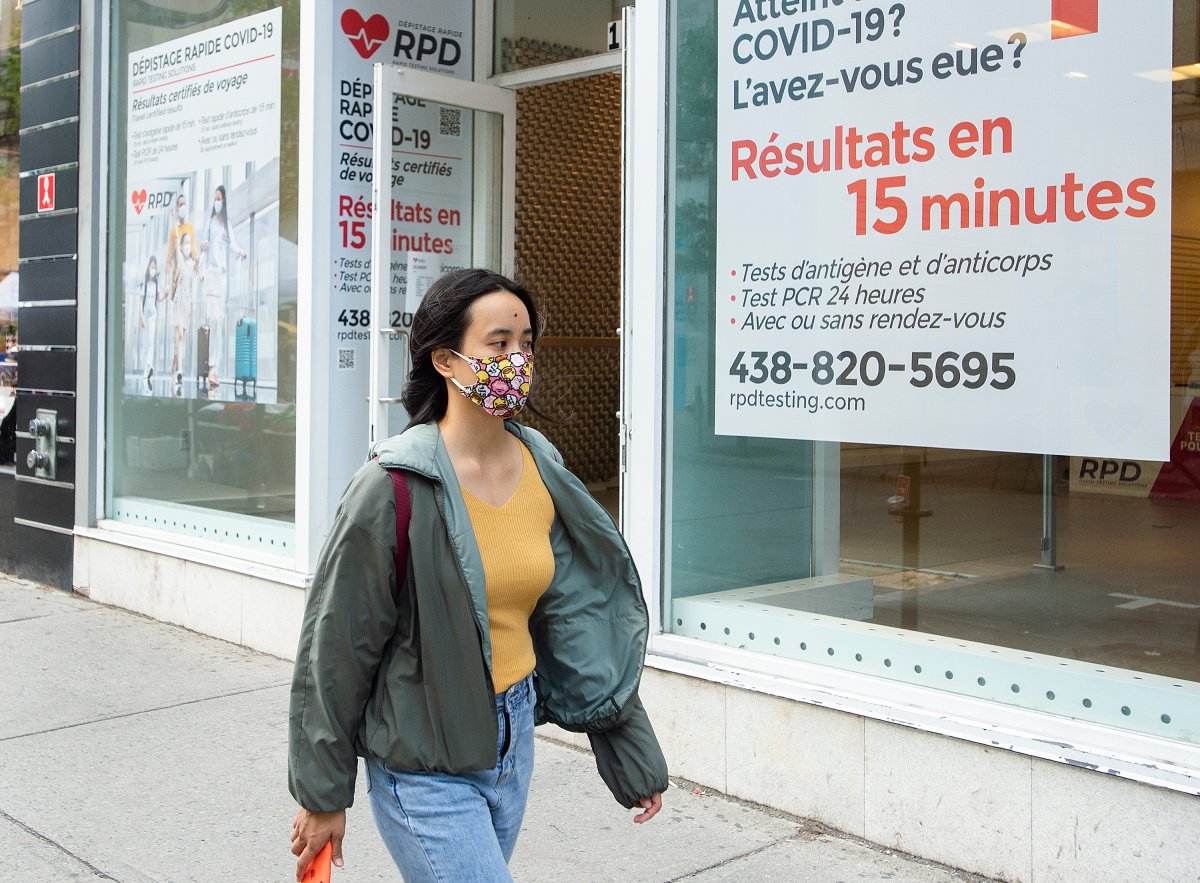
(365, 36)
(138, 198)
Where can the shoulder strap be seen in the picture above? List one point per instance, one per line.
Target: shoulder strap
(403, 516)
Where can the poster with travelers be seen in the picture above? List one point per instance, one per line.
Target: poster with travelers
(201, 251)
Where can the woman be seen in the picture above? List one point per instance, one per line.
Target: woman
(184, 279)
(218, 248)
(182, 259)
(148, 320)
(432, 677)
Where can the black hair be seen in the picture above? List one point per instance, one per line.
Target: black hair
(440, 323)
(224, 206)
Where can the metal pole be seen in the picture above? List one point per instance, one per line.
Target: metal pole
(911, 536)
(1049, 518)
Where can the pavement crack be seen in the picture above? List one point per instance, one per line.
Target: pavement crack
(690, 875)
(56, 845)
(140, 711)
(48, 615)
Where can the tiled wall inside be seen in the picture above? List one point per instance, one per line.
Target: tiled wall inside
(568, 250)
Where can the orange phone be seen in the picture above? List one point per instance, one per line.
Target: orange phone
(320, 868)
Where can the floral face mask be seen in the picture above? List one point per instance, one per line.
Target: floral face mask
(502, 382)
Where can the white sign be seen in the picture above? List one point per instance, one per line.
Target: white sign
(422, 272)
(201, 263)
(431, 192)
(1178, 478)
(945, 223)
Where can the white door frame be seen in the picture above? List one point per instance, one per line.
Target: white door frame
(644, 93)
(390, 80)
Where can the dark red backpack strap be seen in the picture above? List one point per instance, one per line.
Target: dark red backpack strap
(403, 516)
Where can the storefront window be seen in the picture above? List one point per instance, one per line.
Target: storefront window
(202, 250)
(1057, 583)
(531, 33)
(10, 155)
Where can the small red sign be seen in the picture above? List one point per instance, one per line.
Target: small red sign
(46, 192)
(1180, 478)
(1073, 18)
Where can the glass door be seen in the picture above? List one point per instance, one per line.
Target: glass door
(447, 151)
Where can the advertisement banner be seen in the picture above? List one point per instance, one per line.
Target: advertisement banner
(946, 224)
(430, 173)
(201, 262)
(1176, 479)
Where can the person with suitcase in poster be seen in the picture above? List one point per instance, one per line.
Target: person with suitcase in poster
(177, 256)
(219, 249)
(186, 266)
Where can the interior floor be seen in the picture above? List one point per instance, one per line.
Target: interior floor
(1127, 594)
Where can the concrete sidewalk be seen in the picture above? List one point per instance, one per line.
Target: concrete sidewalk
(135, 751)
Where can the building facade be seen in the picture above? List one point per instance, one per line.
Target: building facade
(876, 328)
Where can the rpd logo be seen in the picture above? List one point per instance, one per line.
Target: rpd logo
(366, 36)
(142, 198)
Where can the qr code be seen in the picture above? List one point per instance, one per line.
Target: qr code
(451, 122)
(346, 359)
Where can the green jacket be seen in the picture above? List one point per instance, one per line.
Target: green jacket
(400, 670)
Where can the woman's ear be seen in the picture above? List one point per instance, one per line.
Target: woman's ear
(442, 362)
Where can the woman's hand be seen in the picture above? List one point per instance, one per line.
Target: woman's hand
(650, 807)
(311, 831)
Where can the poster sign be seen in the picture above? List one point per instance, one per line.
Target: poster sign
(945, 223)
(430, 166)
(201, 261)
(1176, 479)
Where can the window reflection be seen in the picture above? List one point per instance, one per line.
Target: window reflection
(10, 155)
(1086, 559)
(202, 296)
(532, 33)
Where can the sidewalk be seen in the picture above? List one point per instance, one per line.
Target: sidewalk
(135, 751)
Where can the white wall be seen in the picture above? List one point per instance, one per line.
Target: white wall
(225, 602)
(983, 809)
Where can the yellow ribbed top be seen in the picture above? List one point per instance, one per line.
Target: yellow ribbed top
(518, 563)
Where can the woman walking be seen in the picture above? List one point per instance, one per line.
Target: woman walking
(516, 602)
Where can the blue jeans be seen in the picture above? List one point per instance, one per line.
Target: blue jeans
(441, 827)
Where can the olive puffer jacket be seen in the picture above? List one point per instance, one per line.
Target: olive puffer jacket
(400, 670)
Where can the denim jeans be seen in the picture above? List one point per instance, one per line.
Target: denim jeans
(445, 828)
